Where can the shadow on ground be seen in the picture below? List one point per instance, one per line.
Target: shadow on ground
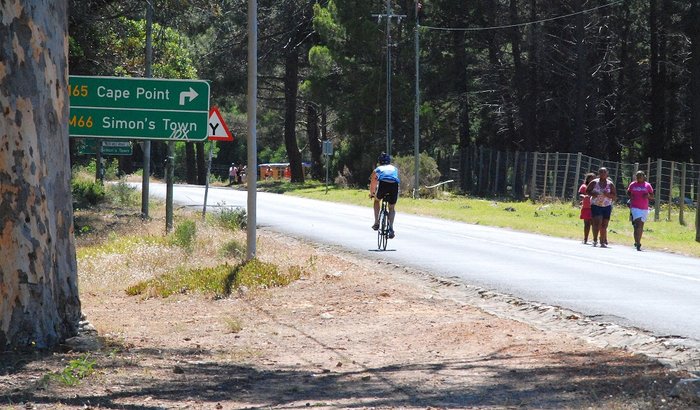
(194, 375)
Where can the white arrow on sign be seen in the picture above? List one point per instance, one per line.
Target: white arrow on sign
(217, 130)
(192, 94)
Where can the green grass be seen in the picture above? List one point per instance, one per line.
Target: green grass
(76, 370)
(217, 282)
(559, 219)
(122, 245)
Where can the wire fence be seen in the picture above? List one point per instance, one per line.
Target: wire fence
(539, 176)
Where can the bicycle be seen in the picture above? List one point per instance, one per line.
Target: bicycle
(383, 231)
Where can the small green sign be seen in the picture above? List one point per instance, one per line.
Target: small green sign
(88, 146)
(138, 108)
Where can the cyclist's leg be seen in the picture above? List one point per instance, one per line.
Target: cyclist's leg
(393, 197)
(376, 214)
(378, 195)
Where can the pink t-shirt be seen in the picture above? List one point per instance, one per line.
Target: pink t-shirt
(585, 199)
(636, 192)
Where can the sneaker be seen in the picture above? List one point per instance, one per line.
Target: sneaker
(595, 243)
(391, 234)
(602, 245)
(638, 246)
(375, 226)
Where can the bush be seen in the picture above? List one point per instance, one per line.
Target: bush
(122, 193)
(184, 235)
(429, 173)
(343, 180)
(256, 274)
(233, 249)
(87, 193)
(233, 218)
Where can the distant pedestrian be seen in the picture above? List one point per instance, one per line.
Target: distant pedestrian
(640, 192)
(232, 174)
(603, 194)
(586, 206)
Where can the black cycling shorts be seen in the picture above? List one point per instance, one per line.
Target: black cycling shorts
(388, 189)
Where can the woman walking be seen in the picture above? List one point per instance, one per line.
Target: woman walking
(603, 194)
(640, 192)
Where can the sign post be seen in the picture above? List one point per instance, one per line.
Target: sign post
(216, 131)
(327, 152)
(138, 108)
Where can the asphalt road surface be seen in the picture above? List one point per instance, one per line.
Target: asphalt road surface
(654, 291)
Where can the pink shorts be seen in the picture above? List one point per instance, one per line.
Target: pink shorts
(586, 214)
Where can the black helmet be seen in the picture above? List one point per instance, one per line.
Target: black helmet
(384, 158)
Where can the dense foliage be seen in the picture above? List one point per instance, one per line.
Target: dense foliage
(617, 79)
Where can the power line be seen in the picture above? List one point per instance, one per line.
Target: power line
(614, 3)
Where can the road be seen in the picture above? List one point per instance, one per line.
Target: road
(655, 291)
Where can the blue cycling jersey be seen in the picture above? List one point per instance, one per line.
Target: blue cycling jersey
(388, 173)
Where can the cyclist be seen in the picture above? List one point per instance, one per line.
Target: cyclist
(385, 184)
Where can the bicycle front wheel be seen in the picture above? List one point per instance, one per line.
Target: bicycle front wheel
(383, 232)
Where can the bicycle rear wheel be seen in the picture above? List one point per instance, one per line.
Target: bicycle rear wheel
(383, 232)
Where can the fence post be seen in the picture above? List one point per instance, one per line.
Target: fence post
(545, 174)
(555, 174)
(577, 176)
(498, 166)
(670, 189)
(697, 210)
(533, 178)
(681, 204)
(658, 187)
(516, 191)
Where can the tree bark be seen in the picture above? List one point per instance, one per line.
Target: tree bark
(39, 301)
(291, 87)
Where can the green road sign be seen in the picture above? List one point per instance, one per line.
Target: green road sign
(138, 108)
(88, 146)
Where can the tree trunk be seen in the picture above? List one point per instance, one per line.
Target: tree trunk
(693, 30)
(578, 142)
(462, 87)
(312, 132)
(291, 86)
(655, 143)
(190, 164)
(519, 77)
(39, 301)
(532, 99)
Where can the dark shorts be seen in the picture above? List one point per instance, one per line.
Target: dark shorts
(388, 189)
(603, 211)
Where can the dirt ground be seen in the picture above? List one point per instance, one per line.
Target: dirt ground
(352, 333)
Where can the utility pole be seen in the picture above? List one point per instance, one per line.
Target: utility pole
(388, 16)
(147, 143)
(252, 104)
(416, 109)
